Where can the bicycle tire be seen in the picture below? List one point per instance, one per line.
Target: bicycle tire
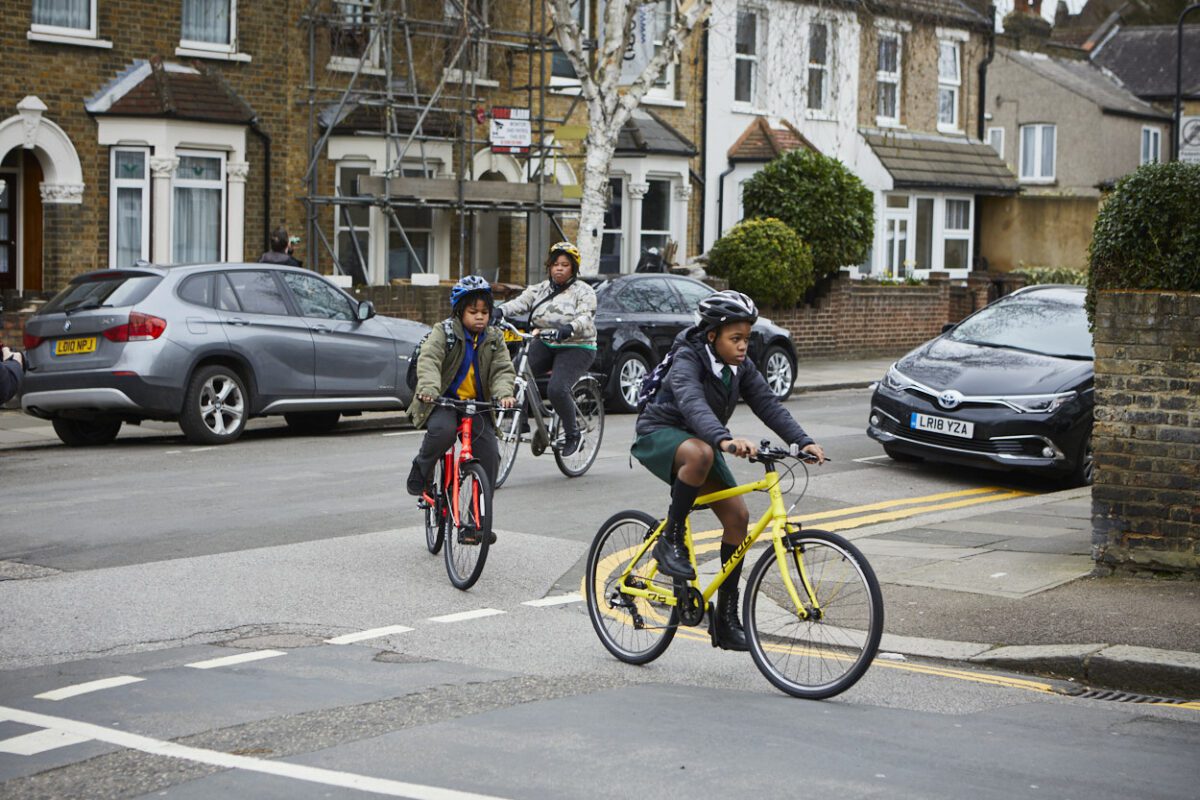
(589, 416)
(623, 629)
(814, 658)
(508, 440)
(435, 515)
(464, 562)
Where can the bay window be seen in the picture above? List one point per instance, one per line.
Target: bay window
(198, 233)
(956, 235)
(352, 224)
(611, 246)
(129, 207)
(656, 215)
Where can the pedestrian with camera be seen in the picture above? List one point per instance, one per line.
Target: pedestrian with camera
(282, 248)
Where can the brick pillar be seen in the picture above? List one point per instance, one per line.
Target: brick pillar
(979, 284)
(941, 282)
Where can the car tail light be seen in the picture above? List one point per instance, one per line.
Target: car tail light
(140, 328)
(30, 341)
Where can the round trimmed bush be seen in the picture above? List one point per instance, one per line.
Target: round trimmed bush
(822, 201)
(765, 259)
(1147, 235)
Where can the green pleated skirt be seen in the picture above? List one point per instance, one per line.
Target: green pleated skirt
(656, 452)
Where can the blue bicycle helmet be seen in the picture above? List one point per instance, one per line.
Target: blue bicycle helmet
(469, 285)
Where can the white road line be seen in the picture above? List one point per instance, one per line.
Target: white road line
(90, 686)
(30, 744)
(871, 458)
(285, 769)
(240, 658)
(201, 449)
(373, 633)
(172, 452)
(556, 600)
(465, 615)
(402, 433)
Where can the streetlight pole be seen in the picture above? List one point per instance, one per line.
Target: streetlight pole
(1179, 80)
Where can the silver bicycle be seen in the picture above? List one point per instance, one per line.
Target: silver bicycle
(533, 420)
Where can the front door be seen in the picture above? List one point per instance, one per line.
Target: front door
(8, 230)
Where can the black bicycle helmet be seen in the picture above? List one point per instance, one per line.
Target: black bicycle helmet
(724, 307)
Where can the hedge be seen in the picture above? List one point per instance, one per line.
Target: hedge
(765, 259)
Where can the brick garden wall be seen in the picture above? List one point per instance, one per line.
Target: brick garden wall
(1146, 498)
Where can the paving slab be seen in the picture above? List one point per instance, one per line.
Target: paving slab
(1075, 543)
(944, 536)
(1000, 574)
(1003, 529)
(923, 550)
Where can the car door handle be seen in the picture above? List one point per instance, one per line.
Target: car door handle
(238, 321)
(322, 329)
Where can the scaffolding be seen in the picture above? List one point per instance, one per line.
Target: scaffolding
(415, 81)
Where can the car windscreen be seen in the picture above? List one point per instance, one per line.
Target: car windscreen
(103, 290)
(1048, 322)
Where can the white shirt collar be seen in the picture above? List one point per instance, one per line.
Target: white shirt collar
(718, 364)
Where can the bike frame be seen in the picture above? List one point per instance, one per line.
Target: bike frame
(526, 384)
(775, 517)
(450, 471)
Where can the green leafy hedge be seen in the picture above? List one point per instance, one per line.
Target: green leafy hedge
(765, 259)
(1147, 235)
(822, 201)
(1033, 275)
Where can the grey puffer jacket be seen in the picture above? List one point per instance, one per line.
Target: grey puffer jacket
(694, 399)
(551, 307)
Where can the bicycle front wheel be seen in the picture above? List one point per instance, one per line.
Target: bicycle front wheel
(435, 514)
(467, 542)
(826, 653)
(634, 629)
(589, 416)
(508, 439)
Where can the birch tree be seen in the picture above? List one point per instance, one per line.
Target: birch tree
(609, 103)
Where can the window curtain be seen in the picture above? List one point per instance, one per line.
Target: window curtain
(63, 13)
(206, 21)
(129, 226)
(197, 225)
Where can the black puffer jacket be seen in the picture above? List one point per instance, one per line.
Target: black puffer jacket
(694, 399)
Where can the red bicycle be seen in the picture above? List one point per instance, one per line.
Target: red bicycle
(459, 512)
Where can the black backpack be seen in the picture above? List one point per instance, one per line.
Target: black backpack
(411, 377)
(653, 381)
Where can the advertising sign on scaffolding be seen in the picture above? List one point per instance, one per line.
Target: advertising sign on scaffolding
(511, 131)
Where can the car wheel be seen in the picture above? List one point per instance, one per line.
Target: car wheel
(902, 457)
(628, 373)
(214, 407)
(779, 371)
(86, 432)
(1084, 472)
(311, 422)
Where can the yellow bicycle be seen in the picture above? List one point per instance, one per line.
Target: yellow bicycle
(812, 609)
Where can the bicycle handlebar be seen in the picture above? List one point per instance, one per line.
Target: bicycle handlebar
(508, 326)
(471, 407)
(766, 453)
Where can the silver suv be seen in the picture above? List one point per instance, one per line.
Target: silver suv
(210, 346)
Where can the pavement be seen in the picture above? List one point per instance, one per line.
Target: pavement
(1006, 583)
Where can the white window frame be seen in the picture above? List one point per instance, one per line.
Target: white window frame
(945, 234)
(951, 85)
(623, 231)
(754, 59)
(666, 91)
(371, 269)
(669, 231)
(378, 275)
(940, 234)
(1153, 137)
(115, 183)
(55, 30)
(211, 47)
(824, 111)
(998, 129)
(178, 182)
(350, 63)
(477, 76)
(885, 77)
(1037, 177)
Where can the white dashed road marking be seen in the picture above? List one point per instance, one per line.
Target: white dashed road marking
(556, 600)
(30, 744)
(240, 658)
(466, 615)
(373, 633)
(82, 731)
(90, 686)
(402, 433)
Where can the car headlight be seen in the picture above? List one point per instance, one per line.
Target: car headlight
(1040, 403)
(895, 380)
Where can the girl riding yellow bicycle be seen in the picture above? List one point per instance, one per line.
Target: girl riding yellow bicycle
(682, 433)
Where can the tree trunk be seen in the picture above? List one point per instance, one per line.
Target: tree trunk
(600, 148)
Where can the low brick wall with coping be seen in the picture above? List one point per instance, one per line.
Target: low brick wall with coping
(1146, 437)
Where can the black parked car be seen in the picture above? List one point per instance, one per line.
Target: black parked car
(1009, 387)
(637, 319)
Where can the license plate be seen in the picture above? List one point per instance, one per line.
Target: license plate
(71, 347)
(511, 336)
(950, 427)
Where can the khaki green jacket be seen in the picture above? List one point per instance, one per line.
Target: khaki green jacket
(437, 366)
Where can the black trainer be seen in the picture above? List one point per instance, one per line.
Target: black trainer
(570, 444)
(416, 481)
(671, 553)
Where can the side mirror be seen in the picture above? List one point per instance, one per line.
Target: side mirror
(366, 310)
(948, 326)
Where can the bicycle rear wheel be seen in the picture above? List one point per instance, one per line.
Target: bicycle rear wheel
(435, 515)
(467, 542)
(589, 416)
(508, 439)
(827, 653)
(633, 629)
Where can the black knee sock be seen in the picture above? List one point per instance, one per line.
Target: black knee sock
(728, 550)
(682, 497)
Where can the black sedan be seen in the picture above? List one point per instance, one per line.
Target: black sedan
(1009, 387)
(637, 319)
